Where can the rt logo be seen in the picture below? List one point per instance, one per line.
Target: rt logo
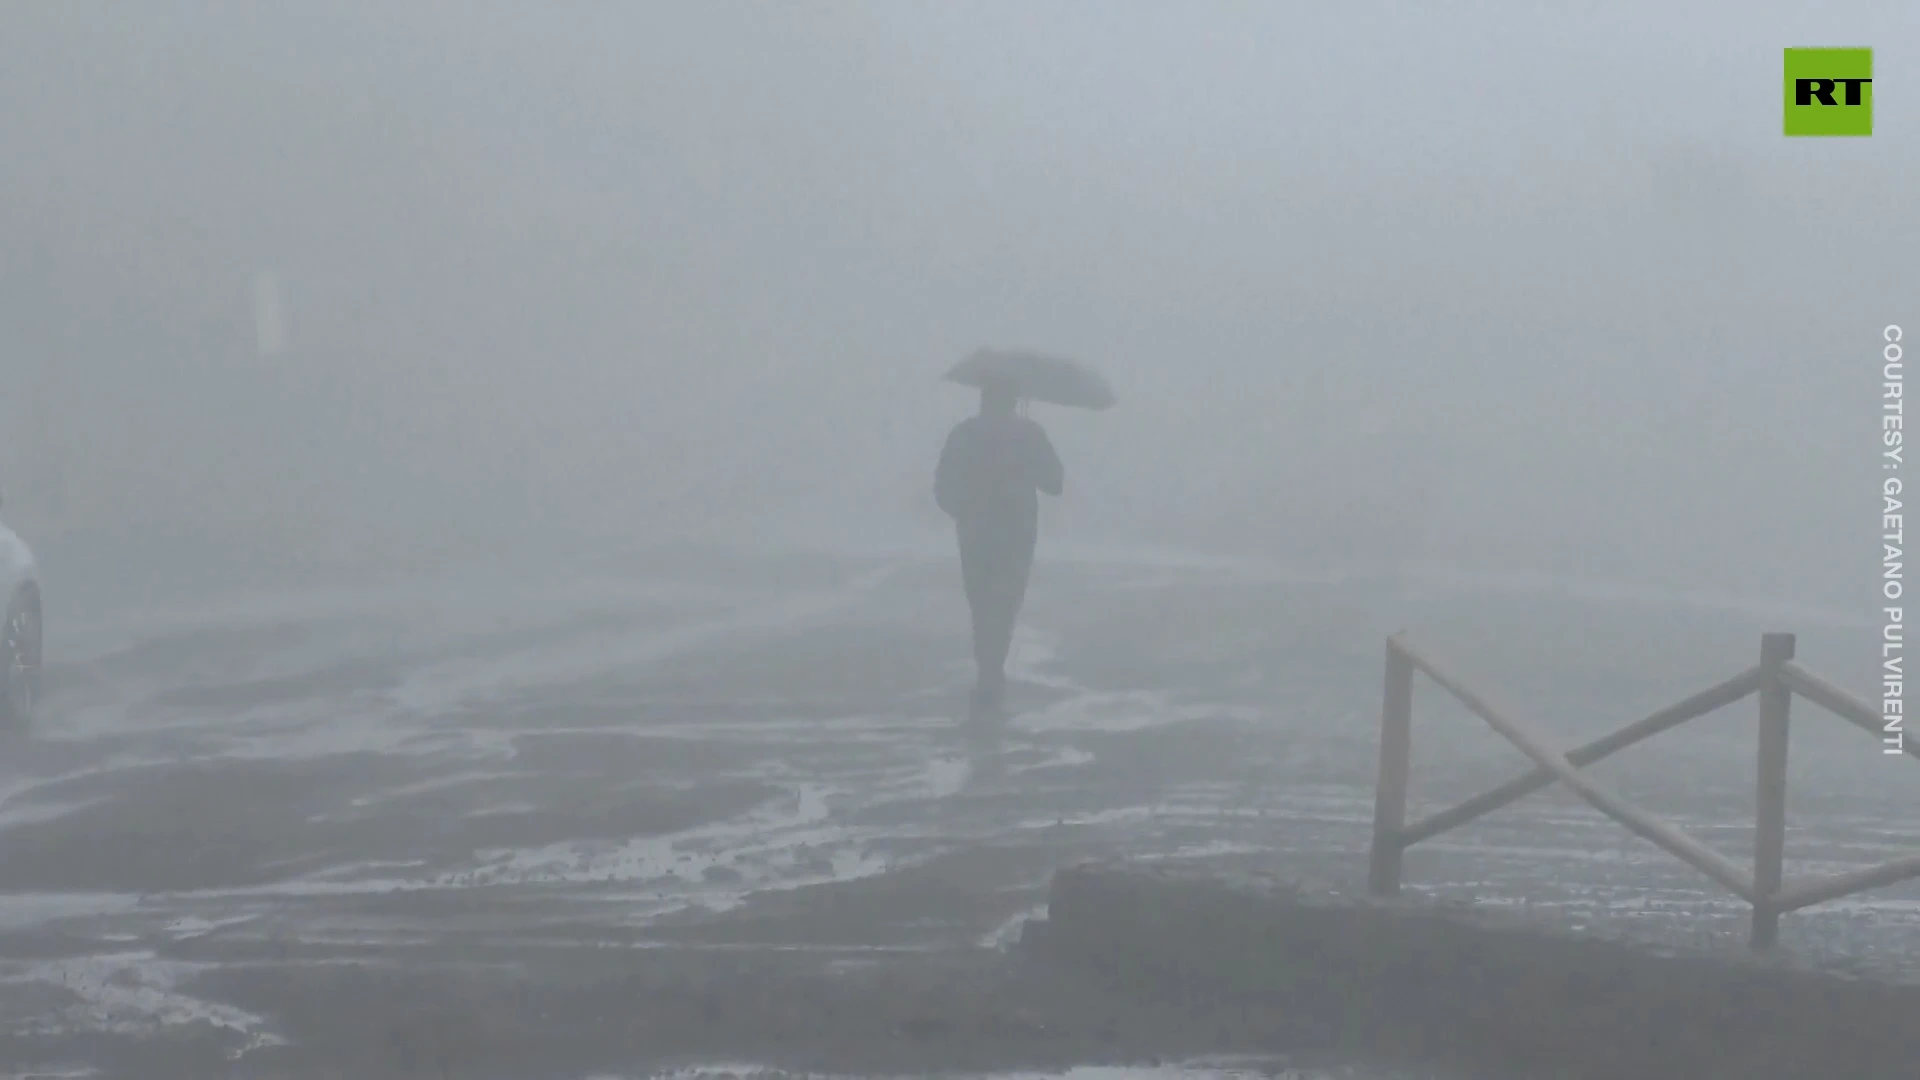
(1829, 92)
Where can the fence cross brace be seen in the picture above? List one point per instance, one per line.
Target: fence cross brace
(1774, 680)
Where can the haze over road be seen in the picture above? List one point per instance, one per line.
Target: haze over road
(271, 828)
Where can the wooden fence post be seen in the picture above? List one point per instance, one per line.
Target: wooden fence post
(1396, 755)
(1770, 825)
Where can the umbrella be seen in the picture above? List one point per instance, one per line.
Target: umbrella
(1053, 379)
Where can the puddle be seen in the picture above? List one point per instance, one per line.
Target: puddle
(1106, 713)
(127, 994)
(1007, 934)
(1203, 1069)
(20, 911)
(41, 812)
(188, 928)
(943, 777)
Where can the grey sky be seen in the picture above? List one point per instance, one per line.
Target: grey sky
(632, 268)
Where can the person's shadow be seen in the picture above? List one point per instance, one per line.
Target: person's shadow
(984, 733)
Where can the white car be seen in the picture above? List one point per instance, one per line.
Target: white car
(20, 634)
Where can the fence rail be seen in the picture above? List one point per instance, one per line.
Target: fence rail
(1774, 681)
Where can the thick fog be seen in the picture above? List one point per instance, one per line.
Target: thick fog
(1531, 288)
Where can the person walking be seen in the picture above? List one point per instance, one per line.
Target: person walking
(992, 470)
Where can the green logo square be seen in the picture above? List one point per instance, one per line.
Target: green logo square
(1829, 92)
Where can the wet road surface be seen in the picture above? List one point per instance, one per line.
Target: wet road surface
(726, 812)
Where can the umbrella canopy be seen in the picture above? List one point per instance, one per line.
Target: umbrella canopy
(1052, 379)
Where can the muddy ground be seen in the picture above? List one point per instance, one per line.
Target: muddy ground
(608, 823)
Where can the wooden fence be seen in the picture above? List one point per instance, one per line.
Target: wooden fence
(1774, 680)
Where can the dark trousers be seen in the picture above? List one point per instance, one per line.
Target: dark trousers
(994, 570)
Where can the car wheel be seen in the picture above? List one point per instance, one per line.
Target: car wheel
(20, 661)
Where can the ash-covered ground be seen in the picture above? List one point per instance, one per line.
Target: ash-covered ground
(723, 810)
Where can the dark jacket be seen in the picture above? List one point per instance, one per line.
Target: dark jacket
(991, 472)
